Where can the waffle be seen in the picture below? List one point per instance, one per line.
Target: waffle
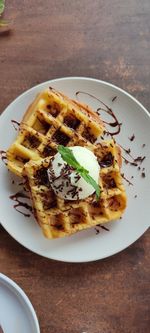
(58, 217)
(50, 120)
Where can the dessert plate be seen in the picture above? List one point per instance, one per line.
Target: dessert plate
(133, 135)
(17, 313)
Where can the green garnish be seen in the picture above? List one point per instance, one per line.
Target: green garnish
(3, 23)
(67, 156)
(2, 6)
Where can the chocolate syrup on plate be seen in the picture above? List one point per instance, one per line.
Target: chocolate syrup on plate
(114, 123)
(17, 197)
(3, 156)
(15, 124)
(117, 125)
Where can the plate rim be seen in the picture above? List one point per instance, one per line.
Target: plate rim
(107, 84)
(17, 290)
(77, 78)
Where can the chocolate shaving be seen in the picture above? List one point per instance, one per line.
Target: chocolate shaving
(114, 98)
(42, 177)
(128, 151)
(89, 136)
(140, 159)
(126, 179)
(143, 175)
(100, 226)
(132, 137)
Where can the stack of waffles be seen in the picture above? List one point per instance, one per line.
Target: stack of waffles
(51, 120)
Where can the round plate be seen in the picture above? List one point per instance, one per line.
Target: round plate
(90, 244)
(15, 305)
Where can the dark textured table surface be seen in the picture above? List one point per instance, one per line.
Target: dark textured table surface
(108, 40)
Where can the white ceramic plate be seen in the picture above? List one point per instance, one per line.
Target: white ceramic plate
(16, 312)
(86, 245)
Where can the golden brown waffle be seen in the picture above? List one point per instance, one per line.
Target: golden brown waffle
(58, 217)
(50, 120)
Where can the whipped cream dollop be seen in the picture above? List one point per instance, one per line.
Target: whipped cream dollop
(66, 182)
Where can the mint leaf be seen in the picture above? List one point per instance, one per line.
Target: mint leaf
(91, 181)
(68, 157)
(2, 6)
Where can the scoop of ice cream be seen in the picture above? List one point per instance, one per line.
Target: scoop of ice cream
(66, 182)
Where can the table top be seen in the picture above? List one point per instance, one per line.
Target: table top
(107, 40)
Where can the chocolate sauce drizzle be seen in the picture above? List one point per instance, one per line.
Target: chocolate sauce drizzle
(115, 123)
(15, 124)
(3, 156)
(17, 197)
